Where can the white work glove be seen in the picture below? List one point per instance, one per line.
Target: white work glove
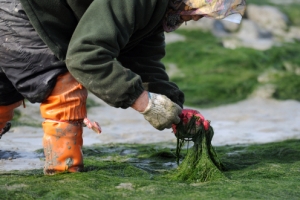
(161, 112)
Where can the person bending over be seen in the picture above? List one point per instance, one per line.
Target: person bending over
(53, 52)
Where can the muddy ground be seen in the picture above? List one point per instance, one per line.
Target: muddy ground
(255, 120)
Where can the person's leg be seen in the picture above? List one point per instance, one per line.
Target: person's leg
(6, 114)
(64, 111)
(9, 100)
(25, 59)
(33, 70)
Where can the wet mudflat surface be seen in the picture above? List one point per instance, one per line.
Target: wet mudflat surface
(252, 121)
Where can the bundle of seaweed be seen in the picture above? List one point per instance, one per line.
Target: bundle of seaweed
(201, 163)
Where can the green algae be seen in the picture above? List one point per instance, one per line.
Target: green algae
(211, 75)
(201, 164)
(261, 171)
(20, 119)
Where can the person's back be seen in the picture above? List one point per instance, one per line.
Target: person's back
(55, 21)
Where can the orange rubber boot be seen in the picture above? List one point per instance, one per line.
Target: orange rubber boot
(62, 147)
(7, 113)
(64, 111)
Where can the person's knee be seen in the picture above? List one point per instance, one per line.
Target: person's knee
(67, 102)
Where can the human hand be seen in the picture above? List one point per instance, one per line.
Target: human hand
(161, 112)
(92, 125)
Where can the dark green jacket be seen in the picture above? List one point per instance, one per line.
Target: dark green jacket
(112, 47)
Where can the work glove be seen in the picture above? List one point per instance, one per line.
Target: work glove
(161, 112)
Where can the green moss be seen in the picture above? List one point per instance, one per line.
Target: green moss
(288, 87)
(211, 75)
(292, 11)
(265, 171)
(16, 121)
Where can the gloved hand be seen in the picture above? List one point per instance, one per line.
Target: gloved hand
(161, 112)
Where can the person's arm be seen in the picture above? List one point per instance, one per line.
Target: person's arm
(102, 32)
(141, 102)
(158, 110)
(91, 59)
(145, 60)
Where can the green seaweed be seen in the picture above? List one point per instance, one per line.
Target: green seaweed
(211, 75)
(257, 171)
(26, 121)
(201, 164)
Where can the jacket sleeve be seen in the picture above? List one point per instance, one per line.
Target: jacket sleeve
(145, 60)
(101, 33)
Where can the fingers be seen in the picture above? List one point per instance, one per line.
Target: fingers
(92, 125)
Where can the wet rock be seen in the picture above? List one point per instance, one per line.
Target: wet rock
(268, 17)
(261, 29)
(264, 91)
(251, 31)
(173, 37)
(229, 26)
(259, 44)
(293, 34)
(223, 28)
(204, 24)
(269, 76)
(292, 67)
(250, 35)
(219, 30)
(173, 70)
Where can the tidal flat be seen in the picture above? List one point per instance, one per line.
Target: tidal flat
(137, 171)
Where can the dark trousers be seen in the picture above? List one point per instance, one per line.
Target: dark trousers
(28, 69)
